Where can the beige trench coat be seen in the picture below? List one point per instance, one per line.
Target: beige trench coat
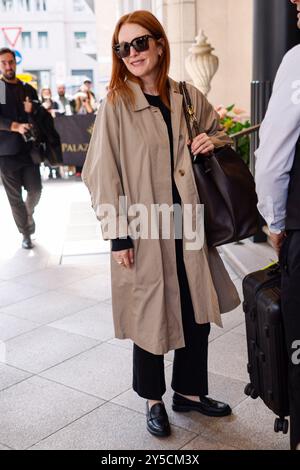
(129, 154)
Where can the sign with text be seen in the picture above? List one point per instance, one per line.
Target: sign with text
(75, 134)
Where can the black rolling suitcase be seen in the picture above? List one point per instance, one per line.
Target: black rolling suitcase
(267, 355)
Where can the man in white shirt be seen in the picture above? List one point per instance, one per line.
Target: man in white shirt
(278, 188)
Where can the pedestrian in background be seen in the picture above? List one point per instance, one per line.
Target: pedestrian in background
(17, 167)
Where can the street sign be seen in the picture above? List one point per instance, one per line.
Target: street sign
(19, 57)
(12, 35)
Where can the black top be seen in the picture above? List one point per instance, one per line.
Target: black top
(14, 152)
(126, 243)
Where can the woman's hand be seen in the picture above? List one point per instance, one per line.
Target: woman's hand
(202, 144)
(124, 258)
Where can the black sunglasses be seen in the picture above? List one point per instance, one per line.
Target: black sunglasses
(140, 44)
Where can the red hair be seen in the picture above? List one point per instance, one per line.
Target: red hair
(118, 86)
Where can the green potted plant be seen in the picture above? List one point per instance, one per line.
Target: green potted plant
(234, 120)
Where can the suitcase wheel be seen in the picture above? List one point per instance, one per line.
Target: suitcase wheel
(281, 425)
(250, 391)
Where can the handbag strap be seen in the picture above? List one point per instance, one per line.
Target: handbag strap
(193, 126)
(189, 111)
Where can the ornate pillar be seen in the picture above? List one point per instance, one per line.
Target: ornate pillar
(201, 64)
(180, 22)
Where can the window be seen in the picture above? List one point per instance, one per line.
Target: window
(43, 40)
(24, 5)
(80, 39)
(78, 5)
(42, 77)
(41, 5)
(26, 40)
(6, 5)
(79, 75)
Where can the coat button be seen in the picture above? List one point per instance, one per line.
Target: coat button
(181, 172)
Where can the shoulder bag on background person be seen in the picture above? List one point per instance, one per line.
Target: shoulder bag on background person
(225, 186)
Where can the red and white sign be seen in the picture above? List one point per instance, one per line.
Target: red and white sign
(12, 35)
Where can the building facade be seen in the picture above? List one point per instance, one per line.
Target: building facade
(228, 24)
(57, 40)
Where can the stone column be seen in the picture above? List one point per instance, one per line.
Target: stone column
(180, 22)
(126, 6)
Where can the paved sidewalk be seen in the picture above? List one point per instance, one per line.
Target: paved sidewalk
(65, 382)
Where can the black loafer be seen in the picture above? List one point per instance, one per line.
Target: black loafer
(206, 406)
(27, 243)
(157, 420)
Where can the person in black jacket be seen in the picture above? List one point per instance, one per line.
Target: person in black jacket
(17, 111)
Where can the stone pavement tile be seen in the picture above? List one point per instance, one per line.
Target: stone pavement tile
(241, 329)
(83, 232)
(100, 262)
(55, 277)
(228, 356)
(85, 246)
(239, 287)
(205, 443)
(4, 447)
(169, 356)
(10, 376)
(12, 326)
(251, 427)
(222, 388)
(233, 275)
(44, 347)
(113, 427)
(248, 256)
(95, 322)
(48, 307)
(215, 332)
(22, 262)
(11, 292)
(96, 287)
(128, 344)
(233, 318)
(83, 217)
(36, 408)
(230, 321)
(121, 343)
(104, 371)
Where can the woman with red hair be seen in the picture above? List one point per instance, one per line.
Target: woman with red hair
(165, 294)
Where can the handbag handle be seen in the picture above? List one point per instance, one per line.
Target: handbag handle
(190, 117)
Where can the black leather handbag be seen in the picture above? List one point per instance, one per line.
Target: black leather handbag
(225, 186)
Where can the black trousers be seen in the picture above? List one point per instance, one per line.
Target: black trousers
(290, 265)
(27, 176)
(190, 363)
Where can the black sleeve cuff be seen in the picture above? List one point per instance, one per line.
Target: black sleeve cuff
(119, 244)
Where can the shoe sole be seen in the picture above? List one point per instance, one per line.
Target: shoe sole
(157, 433)
(185, 409)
